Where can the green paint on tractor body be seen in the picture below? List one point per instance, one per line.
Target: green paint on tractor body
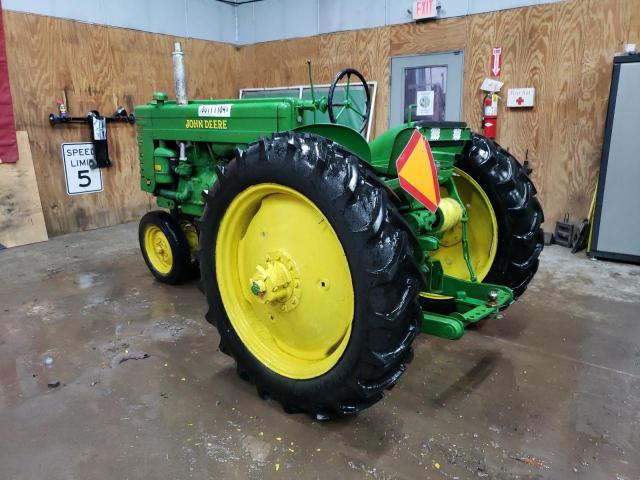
(212, 130)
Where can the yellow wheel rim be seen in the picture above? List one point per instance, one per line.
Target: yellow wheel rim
(482, 233)
(285, 281)
(158, 249)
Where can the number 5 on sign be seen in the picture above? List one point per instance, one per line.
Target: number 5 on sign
(80, 177)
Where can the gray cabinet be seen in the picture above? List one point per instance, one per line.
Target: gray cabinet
(616, 228)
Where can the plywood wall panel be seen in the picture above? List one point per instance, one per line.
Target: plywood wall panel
(284, 63)
(277, 63)
(599, 43)
(428, 37)
(337, 51)
(633, 27)
(564, 50)
(481, 29)
(558, 117)
(99, 68)
(21, 218)
(366, 51)
(373, 60)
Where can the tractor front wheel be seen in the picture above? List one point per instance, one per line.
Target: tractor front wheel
(165, 247)
(310, 275)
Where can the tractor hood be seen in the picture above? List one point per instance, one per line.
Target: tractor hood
(232, 120)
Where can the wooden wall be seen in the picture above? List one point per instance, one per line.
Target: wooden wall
(565, 50)
(100, 68)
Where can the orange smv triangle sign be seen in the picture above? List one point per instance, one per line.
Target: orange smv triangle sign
(417, 172)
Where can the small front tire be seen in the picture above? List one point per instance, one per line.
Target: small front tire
(165, 248)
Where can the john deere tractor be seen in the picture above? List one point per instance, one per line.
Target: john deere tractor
(321, 255)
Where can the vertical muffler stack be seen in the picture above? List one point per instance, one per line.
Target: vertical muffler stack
(179, 75)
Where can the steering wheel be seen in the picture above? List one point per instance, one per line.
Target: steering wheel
(349, 103)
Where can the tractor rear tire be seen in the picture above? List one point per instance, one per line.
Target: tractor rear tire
(518, 212)
(382, 256)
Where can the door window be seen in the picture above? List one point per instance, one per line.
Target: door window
(425, 92)
(426, 87)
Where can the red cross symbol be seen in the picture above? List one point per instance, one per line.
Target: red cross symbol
(520, 100)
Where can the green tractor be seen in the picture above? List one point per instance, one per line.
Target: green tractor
(319, 261)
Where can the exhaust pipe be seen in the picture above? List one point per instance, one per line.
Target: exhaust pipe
(179, 75)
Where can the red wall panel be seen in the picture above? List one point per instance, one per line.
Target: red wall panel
(8, 144)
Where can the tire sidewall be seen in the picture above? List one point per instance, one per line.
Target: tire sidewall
(177, 241)
(517, 210)
(335, 379)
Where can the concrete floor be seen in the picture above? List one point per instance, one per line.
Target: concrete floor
(552, 390)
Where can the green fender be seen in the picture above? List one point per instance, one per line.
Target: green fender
(345, 136)
(450, 140)
(386, 148)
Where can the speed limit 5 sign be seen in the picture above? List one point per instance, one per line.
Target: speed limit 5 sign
(78, 159)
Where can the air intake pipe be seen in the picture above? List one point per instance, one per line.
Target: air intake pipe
(179, 75)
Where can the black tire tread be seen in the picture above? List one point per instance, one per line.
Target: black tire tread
(387, 262)
(519, 214)
(183, 268)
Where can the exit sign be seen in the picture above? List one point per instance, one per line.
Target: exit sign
(423, 9)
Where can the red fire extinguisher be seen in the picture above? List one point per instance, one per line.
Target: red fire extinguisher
(490, 115)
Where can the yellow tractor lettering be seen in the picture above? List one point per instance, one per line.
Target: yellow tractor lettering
(209, 124)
